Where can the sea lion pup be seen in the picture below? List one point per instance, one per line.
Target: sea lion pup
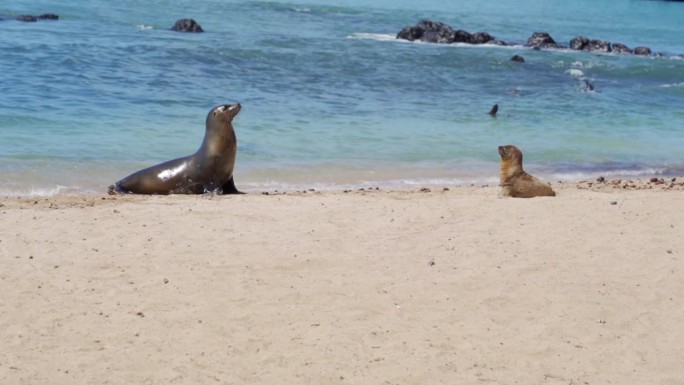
(515, 182)
(209, 170)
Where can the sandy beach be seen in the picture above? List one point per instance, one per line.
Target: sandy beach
(455, 286)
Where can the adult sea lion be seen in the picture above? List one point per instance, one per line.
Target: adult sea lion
(209, 170)
(515, 182)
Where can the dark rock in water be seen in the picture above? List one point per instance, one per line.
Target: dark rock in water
(578, 43)
(642, 51)
(27, 18)
(584, 44)
(462, 36)
(437, 32)
(186, 25)
(49, 16)
(30, 18)
(480, 38)
(428, 31)
(518, 58)
(620, 48)
(598, 45)
(541, 40)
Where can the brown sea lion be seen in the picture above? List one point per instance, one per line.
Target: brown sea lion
(515, 182)
(209, 170)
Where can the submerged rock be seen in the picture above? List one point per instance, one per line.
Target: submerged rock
(518, 58)
(27, 18)
(30, 18)
(49, 16)
(186, 25)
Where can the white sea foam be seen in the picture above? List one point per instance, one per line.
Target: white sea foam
(144, 26)
(575, 73)
(672, 85)
(33, 191)
(375, 36)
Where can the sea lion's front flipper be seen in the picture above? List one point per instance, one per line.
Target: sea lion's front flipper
(212, 187)
(229, 187)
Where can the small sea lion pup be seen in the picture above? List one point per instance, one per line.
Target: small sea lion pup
(515, 182)
(209, 170)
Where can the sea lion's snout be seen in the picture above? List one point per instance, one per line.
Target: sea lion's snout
(502, 151)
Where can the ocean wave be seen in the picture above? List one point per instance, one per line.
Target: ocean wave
(30, 192)
(375, 36)
(575, 73)
(616, 173)
(393, 37)
(672, 85)
(144, 26)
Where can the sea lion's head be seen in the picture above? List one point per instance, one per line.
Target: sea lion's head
(223, 113)
(509, 153)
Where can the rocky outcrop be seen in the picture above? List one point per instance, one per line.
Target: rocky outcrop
(578, 43)
(581, 43)
(186, 25)
(541, 40)
(620, 48)
(436, 32)
(642, 51)
(480, 38)
(462, 36)
(428, 31)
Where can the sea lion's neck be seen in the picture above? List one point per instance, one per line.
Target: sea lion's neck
(218, 141)
(509, 169)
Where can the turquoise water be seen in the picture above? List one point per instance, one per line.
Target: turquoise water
(330, 99)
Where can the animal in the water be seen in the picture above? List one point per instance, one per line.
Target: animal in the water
(494, 110)
(209, 170)
(514, 181)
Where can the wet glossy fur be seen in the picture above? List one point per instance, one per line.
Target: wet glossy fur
(209, 170)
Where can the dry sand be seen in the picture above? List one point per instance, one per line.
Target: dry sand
(364, 287)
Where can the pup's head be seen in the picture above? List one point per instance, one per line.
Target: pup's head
(509, 152)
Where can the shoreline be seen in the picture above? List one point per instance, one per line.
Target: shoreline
(400, 286)
(596, 183)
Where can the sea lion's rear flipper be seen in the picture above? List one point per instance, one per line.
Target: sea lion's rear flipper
(229, 187)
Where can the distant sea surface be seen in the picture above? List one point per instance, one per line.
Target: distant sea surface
(330, 98)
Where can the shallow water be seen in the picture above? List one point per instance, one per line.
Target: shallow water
(330, 98)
